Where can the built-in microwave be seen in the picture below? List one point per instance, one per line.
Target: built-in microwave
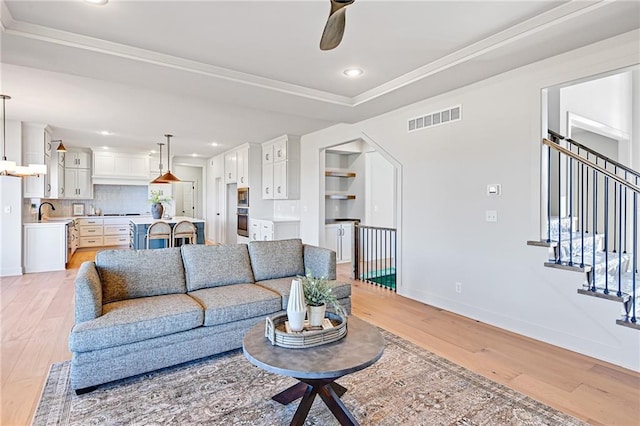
(243, 197)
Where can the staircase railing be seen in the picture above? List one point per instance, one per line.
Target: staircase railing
(595, 226)
(375, 258)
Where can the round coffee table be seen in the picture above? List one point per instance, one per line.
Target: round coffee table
(317, 368)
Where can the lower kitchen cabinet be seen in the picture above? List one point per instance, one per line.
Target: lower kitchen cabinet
(90, 232)
(115, 231)
(269, 230)
(339, 238)
(45, 246)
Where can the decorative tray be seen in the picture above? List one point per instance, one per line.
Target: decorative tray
(334, 328)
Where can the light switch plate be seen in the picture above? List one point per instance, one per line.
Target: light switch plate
(494, 189)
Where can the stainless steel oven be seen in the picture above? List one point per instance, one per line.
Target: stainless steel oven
(243, 221)
(243, 197)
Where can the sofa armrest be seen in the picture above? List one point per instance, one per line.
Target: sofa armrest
(320, 261)
(88, 293)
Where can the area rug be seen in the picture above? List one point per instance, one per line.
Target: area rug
(407, 386)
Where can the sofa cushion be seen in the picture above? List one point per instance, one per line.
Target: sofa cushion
(212, 266)
(276, 259)
(135, 320)
(128, 274)
(282, 286)
(236, 302)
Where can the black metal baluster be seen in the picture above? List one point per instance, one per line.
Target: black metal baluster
(559, 260)
(582, 223)
(595, 230)
(619, 293)
(606, 232)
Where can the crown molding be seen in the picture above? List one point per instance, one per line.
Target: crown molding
(546, 20)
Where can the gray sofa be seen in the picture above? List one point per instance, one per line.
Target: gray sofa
(141, 310)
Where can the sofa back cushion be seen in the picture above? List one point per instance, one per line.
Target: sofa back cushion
(276, 259)
(129, 274)
(213, 266)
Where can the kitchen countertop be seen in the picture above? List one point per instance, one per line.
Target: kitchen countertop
(332, 221)
(148, 220)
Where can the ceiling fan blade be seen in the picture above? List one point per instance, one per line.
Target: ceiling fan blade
(334, 28)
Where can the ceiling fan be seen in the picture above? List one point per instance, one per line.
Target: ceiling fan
(334, 28)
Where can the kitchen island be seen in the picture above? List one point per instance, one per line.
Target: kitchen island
(140, 225)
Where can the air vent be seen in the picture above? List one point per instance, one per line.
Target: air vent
(438, 118)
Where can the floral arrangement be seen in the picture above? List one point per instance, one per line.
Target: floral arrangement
(157, 197)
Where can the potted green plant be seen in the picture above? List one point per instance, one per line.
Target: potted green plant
(157, 201)
(318, 294)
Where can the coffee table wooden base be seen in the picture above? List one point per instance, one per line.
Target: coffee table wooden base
(329, 391)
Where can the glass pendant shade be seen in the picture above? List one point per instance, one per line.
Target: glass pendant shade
(61, 148)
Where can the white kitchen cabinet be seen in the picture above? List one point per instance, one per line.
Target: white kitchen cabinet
(35, 141)
(120, 168)
(236, 166)
(281, 168)
(339, 238)
(242, 167)
(77, 160)
(267, 181)
(230, 167)
(77, 183)
(90, 232)
(269, 230)
(45, 246)
(116, 231)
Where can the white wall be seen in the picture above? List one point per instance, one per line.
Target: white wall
(10, 226)
(195, 174)
(443, 235)
(380, 188)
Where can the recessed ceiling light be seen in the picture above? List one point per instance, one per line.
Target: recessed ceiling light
(105, 147)
(353, 72)
(214, 143)
(153, 151)
(105, 132)
(194, 155)
(97, 2)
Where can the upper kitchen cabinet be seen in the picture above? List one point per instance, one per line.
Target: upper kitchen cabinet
(77, 160)
(237, 164)
(77, 175)
(281, 168)
(36, 147)
(120, 168)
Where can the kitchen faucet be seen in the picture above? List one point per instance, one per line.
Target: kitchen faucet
(40, 209)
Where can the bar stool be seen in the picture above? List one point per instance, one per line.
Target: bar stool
(160, 231)
(185, 232)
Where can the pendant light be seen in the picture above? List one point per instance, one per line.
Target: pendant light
(6, 167)
(61, 147)
(157, 180)
(168, 177)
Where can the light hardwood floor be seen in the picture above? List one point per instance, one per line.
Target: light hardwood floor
(37, 314)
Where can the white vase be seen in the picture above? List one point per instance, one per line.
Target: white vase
(316, 315)
(296, 308)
